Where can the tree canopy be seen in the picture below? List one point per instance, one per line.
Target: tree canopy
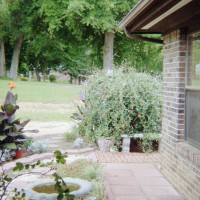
(68, 35)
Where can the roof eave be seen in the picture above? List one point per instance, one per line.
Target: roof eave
(138, 8)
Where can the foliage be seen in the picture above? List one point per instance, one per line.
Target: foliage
(71, 136)
(38, 146)
(89, 170)
(126, 103)
(28, 142)
(52, 78)
(6, 179)
(147, 142)
(52, 39)
(11, 136)
(146, 56)
(4, 78)
(150, 141)
(23, 78)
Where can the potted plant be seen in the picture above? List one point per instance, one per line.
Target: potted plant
(22, 149)
(20, 153)
(11, 134)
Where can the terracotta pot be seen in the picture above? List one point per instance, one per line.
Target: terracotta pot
(20, 153)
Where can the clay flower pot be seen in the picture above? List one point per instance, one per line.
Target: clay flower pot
(20, 153)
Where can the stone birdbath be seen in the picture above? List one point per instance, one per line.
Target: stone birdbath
(82, 187)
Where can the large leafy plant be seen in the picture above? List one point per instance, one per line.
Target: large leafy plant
(11, 135)
(126, 103)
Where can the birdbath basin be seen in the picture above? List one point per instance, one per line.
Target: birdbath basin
(44, 190)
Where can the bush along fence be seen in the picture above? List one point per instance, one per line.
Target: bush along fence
(128, 102)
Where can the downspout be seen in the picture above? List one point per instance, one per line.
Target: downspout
(137, 37)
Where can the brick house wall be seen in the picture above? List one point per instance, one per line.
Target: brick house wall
(180, 161)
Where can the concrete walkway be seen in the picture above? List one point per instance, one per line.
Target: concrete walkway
(137, 182)
(134, 176)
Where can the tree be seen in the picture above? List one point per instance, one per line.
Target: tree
(70, 35)
(2, 58)
(144, 56)
(22, 23)
(108, 51)
(18, 16)
(98, 17)
(3, 19)
(103, 16)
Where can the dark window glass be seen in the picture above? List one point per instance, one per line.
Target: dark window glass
(192, 131)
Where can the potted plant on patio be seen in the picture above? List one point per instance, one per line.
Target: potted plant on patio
(20, 153)
(11, 134)
(23, 149)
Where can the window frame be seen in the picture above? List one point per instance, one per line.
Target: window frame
(188, 89)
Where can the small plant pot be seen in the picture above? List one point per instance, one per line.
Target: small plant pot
(20, 153)
(104, 144)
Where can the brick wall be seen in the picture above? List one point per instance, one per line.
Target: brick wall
(176, 166)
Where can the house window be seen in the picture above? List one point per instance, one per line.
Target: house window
(192, 111)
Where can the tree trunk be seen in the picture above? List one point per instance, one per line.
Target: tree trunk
(2, 58)
(37, 71)
(71, 79)
(44, 74)
(108, 51)
(15, 57)
(30, 75)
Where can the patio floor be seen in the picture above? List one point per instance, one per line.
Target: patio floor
(134, 176)
(128, 176)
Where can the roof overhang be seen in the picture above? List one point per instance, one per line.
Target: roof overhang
(161, 16)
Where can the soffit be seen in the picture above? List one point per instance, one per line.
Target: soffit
(161, 16)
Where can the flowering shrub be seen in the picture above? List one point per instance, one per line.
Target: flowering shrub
(126, 103)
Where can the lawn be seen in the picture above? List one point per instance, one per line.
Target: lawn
(43, 101)
(44, 92)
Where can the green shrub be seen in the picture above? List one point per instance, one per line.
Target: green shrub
(23, 78)
(126, 103)
(71, 136)
(52, 78)
(5, 78)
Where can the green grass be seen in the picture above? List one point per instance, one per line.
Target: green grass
(44, 92)
(49, 94)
